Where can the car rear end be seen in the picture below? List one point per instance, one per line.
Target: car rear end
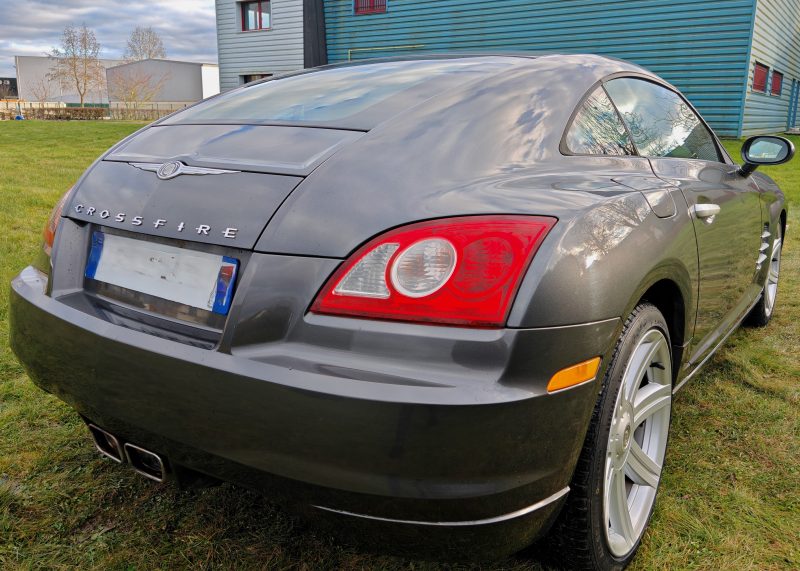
(188, 346)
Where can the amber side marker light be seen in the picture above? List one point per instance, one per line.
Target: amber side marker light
(574, 375)
(53, 222)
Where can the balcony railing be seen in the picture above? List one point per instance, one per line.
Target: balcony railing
(370, 6)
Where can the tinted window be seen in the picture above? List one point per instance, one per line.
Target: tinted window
(660, 122)
(351, 96)
(255, 15)
(370, 6)
(597, 129)
(760, 74)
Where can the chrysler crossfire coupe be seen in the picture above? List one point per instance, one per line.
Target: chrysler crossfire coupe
(448, 298)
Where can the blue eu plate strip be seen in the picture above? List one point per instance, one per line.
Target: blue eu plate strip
(94, 254)
(225, 282)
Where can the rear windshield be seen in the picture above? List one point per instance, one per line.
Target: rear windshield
(357, 97)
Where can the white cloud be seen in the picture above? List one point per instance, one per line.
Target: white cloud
(33, 27)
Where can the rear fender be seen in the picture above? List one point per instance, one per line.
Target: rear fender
(598, 265)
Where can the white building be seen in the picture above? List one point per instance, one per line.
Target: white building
(34, 83)
(162, 81)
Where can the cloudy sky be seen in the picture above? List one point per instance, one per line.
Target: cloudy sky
(33, 27)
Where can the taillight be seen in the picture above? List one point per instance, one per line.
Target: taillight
(458, 271)
(53, 222)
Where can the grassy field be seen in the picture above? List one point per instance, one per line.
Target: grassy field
(730, 497)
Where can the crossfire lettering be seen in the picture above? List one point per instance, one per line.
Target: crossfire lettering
(120, 217)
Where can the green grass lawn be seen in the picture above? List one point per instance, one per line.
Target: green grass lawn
(730, 497)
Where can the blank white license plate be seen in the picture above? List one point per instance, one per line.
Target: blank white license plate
(196, 279)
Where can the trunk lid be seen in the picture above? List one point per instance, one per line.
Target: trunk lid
(246, 172)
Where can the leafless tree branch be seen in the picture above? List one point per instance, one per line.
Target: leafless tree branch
(76, 63)
(144, 43)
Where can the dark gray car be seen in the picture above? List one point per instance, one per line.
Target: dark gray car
(444, 302)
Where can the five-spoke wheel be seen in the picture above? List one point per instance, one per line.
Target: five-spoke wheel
(761, 314)
(637, 442)
(771, 287)
(614, 485)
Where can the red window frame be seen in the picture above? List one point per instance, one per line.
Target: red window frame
(777, 83)
(243, 14)
(369, 7)
(760, 74)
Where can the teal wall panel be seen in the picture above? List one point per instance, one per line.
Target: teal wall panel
(701, 46)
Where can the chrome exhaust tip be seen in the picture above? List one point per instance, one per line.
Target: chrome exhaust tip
(106, 443)
(148, 464)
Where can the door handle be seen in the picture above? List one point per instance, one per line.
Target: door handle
(706, 211)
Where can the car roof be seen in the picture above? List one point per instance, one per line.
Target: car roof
(364, 94)
(583, 66)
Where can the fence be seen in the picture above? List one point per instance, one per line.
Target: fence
(63, 112)
(60, 113)
(143, 111)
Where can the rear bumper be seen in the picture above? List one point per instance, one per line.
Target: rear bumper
(432, 461)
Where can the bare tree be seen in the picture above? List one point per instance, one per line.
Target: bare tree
(131, 85)
(41, 89)
(5, 90)
(144, 43)
(76, 63)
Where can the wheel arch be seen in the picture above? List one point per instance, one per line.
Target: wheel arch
(669, 288)
(666, 296)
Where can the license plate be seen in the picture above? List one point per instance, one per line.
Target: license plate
(196, 279)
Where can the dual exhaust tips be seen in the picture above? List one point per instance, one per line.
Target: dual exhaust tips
(147, 463)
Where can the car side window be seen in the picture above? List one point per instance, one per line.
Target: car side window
(660, 121)
(597, 129)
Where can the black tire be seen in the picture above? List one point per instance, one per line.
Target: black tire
(762, 312)
(580, 538)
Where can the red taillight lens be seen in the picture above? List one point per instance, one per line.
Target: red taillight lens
(457, 271)
(53, 222)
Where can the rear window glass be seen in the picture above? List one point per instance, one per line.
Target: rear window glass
(357, 96)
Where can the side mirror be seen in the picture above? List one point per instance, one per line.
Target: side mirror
(765, 150)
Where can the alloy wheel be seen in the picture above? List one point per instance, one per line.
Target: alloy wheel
(771, 287)
(637, 442)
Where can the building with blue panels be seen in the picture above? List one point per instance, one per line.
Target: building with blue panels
(738, 61)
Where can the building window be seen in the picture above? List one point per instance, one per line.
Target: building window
(256, 15)
(760, 78)
(254, 77)
(370, 6)
(777, 83)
